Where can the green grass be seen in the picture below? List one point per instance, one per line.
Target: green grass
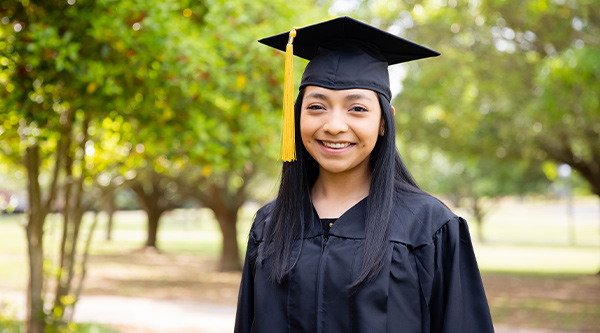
(531, 237)
(193, 232)
(540, 222)
(10, 326)
(540, 259)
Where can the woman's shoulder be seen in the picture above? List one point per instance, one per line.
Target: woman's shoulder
(417, 217)
(261, 221)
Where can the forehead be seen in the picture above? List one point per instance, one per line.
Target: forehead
(354, 94)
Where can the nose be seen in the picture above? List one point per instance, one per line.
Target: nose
(335, 123)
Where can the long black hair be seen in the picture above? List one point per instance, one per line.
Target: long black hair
(287, 221)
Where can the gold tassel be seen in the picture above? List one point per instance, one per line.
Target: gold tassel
(287, 145)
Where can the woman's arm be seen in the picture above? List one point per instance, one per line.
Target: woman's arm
(455, 296)
(245, 308)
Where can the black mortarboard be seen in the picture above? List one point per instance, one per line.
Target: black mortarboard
(344, 54)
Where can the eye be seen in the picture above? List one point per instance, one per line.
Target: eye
(315, 107)
(358, 109)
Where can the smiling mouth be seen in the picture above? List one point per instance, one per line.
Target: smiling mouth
(335, 145)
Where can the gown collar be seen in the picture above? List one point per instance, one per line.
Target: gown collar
(351, 224)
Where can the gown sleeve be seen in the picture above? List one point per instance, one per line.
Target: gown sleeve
(451, 283)
(244, 318)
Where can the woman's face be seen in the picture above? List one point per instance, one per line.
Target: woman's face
(339, 128)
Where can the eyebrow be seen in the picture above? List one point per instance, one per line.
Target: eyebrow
(317, 96)
(352, 97)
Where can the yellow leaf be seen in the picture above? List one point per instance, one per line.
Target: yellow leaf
(241, 81)
(120, 45)
(167, 114)
(92, 87)
(107, 123)
(206, 171)
(57, 311)
(550, 170)
(67, 299)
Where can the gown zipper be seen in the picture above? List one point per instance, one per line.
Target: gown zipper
(320, 282)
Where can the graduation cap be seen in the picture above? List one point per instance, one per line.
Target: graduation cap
(343, 53)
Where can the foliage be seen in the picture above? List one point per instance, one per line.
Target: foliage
(68, 86)
(8, 319)
(232, 85)
(567, 109)
(516, 84)
(13, 326)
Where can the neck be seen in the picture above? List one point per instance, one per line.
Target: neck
(341, 190)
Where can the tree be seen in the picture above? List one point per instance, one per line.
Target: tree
(231, 90)
(63, 70)
(244, 103)
(497, 99)
(567, 111)
(156, 195)
(522, 85)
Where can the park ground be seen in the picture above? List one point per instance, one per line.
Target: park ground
(534, 278)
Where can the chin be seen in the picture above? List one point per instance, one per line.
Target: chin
(332, 168)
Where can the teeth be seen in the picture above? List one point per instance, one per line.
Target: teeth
(336, 145)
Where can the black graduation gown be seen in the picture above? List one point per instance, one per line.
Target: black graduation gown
(429, 282)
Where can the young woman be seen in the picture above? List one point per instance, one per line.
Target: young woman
(351, 244)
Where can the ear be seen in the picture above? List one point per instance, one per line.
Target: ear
(381, 127)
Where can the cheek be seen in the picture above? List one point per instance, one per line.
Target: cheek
(371, 135)
(306, 131)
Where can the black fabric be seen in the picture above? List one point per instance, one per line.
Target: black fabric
(429, 283)
(346, 65)
(345, 53)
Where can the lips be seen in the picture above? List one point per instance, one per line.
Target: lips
(335, 145)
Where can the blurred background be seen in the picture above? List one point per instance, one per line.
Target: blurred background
(139, 137)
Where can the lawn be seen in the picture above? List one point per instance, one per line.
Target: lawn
(17, 327)
(533, 277)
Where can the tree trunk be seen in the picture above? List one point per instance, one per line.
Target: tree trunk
(153, 202)
(38, 210)
(230, 254)
(479, 216)
(35, 301)
(598, 228)
(480, 234)
(110, 211)
(35, 236)
(69, 316)
(153, 218)
(64, 257)
(225, 205)
(73, 213)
